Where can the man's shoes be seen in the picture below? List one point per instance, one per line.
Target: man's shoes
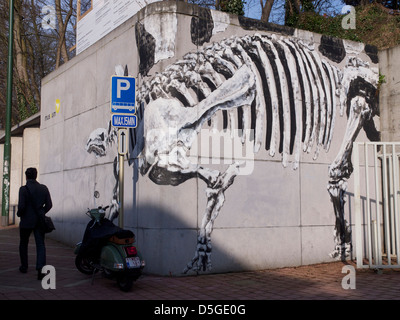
(23, 269)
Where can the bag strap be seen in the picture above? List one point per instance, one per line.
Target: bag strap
(30, 199)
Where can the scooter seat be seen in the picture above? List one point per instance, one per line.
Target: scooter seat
(123, 237)
(115, 239)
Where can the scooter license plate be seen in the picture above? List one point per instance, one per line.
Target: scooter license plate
(133, 262)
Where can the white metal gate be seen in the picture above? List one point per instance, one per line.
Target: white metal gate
(377, 201)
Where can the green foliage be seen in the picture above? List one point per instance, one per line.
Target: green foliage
(381, 80)
(293, 21)
(26, 107)
(373, 25)
(233, 6)
(325, 25)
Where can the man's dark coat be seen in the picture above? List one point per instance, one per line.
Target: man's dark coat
(39, 199)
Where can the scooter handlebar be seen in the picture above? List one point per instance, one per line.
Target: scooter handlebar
(91, 212)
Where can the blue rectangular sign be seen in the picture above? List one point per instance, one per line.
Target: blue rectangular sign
(123, 121)
(123, 95)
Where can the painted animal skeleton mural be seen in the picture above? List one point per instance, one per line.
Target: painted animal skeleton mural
(98, 142)
(285, 90)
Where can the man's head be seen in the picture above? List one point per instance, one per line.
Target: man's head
(31, 174)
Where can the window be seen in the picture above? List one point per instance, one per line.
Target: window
(84, 6)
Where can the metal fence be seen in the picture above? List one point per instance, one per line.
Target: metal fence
(376, 196)
(12, 214)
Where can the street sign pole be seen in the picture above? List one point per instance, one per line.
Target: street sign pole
(122, 117)
(5, 205)
(122, 150)
(121, 191)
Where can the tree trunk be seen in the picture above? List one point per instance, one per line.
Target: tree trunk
(266, 10)
(25, 97)
(292, 12)
(19, 44)
(62, 29)
(40, 53)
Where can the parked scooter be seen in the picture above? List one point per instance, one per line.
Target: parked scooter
(108, 248)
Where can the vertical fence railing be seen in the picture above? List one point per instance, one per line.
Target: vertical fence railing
(376, 204)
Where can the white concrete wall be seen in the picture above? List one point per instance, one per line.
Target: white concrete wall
(274, 217)
(16, 168)
(24, 154)
(30, 152)
(389, 64)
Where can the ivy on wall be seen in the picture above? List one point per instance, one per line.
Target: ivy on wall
(233, 6)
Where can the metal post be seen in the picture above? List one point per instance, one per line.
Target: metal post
(378, 186)
(386, 205)
(7, 143)
(375, 254)
(367, 204)
(121, 190)
(396, 204)
(357, 205)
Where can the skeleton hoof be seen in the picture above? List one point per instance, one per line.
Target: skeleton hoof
(341, 252)
(343, 241)
(202, 257)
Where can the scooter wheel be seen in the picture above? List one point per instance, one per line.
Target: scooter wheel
(108, 274)
(84, 264)
(124, 283)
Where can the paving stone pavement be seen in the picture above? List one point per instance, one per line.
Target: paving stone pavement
(315, 282)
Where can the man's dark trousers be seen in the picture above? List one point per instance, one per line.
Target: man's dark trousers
(40, 248)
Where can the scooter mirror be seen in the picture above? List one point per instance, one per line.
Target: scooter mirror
(97, 194)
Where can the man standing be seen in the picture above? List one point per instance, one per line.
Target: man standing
(34, 200)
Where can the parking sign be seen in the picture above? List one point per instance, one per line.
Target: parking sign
(123, 120)
(123, 95)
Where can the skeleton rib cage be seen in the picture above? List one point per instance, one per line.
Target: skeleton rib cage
(296, 93)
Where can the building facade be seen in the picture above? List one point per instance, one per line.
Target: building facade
(242, 155)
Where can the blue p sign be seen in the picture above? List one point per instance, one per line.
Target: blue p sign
(123, 95)
(122, 85)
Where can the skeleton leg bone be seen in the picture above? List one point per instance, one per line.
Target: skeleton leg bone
(176, 168)
(342, 236)
(114, 207)
(339, 171)
(215, 201)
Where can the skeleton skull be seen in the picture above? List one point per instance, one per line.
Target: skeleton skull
(97, 142)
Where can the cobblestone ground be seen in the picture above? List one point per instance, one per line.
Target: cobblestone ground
(315, 282)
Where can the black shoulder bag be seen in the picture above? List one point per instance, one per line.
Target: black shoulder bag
(45, 222)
